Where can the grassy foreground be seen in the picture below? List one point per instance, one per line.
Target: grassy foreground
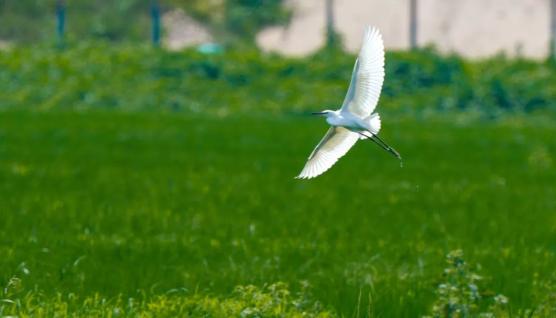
(175, 213)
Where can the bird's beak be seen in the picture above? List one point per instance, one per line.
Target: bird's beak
(318, 113)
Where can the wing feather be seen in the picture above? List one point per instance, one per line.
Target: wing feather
(368, 76)
(334, 145)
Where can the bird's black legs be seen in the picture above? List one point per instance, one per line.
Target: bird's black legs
(377, 140)
(388, 148)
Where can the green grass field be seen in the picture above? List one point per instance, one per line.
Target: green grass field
(176, 211)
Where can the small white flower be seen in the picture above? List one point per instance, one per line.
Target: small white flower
(501, 299)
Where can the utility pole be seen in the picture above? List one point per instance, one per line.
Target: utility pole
(155, 16)
(330, 31)
(553, 30)
(60, 20)
(413, 24)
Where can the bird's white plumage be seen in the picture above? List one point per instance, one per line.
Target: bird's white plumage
(368, 75)
(334, 145)
(360, 101)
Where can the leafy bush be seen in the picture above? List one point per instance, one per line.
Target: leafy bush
(238, 18)
(99, 75)
(459, 295)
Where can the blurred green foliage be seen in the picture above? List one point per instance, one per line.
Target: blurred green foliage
(237, 19)
(34, 21)
(129, 20)
(101, 75)
(246, 17)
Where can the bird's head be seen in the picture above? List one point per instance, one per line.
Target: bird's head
(325, 112)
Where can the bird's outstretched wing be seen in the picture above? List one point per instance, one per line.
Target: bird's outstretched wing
(332, 147)
(368, 75)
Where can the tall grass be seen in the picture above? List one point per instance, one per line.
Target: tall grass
(120, 205)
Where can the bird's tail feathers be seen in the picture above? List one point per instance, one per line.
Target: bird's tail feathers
(373, 124)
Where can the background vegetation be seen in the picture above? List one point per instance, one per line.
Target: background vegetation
(130, 20)
(139, 182)
(133, 77)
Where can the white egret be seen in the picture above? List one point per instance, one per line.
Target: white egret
(355, 119)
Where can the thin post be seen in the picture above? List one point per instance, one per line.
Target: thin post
(155, 15)
(413, 24)
(330, 31)
(60, 20)
(553, 30)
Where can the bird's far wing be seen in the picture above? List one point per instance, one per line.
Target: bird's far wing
(332, 147)
(368, 75)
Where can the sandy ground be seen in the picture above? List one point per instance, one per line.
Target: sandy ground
(183, 31)
(473, 28)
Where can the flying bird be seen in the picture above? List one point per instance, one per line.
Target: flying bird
(355, 119)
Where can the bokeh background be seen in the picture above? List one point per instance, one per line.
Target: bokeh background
(148, 149)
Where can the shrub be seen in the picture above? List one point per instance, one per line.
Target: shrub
(133, 77)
